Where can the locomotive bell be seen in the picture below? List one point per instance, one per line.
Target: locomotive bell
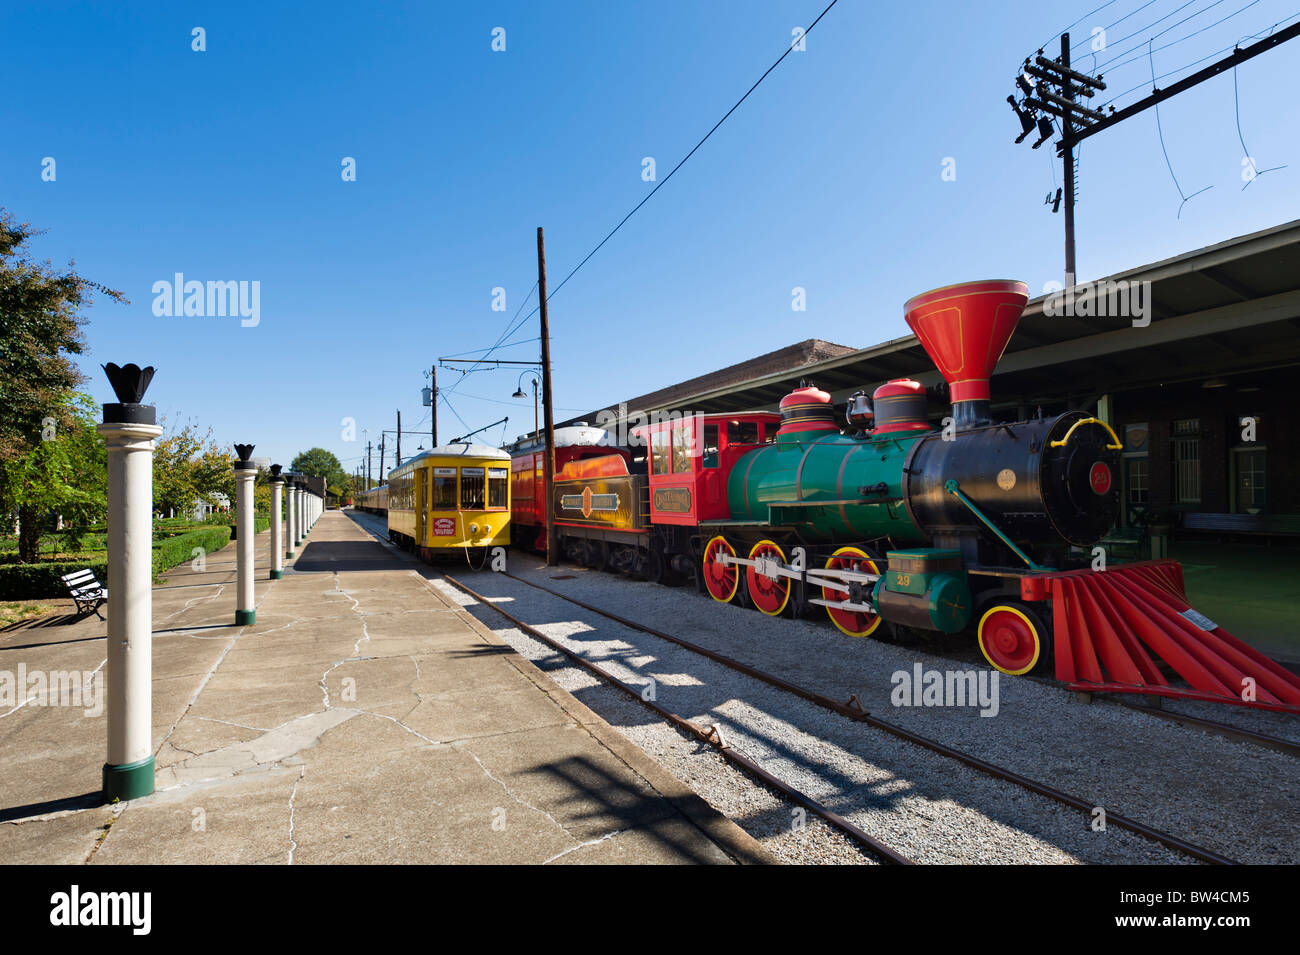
(859, 412)
(964, 329)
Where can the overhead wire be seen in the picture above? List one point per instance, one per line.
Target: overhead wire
(662, 182)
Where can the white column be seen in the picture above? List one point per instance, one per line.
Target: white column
(289, 540)
(277, 530)
(245, 475)
(129, 771)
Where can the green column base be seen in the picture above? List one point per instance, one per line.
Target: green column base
(128, 781)
(290, 554)
(245, 617)
(277, 574)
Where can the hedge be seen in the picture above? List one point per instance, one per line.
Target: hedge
(33, 581)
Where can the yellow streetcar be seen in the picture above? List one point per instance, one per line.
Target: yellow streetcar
(454, 497)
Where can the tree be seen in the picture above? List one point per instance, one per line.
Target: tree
(40, 330)
(317, 462)
(188, 466)
(64, 475)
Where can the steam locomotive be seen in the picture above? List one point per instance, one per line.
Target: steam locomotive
(889, 520)
(980, 524)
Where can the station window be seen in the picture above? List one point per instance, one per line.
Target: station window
(742, 432)
(1187, 460)
(1138, 482)
(683, 447)
(1251, 482)
(444, 489)
(660, 462)
(498, 481)
(471, 489)
(710, 450)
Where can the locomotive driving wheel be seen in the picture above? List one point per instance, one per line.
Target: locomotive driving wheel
(769, 594)
(720, 580)
(853, 623)
(1012, 638)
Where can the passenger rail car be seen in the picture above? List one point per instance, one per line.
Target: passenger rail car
(373, 501)
(453, 498)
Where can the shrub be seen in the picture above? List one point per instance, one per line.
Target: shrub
(31, 581)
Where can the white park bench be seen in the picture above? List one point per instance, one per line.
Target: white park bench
(87, 592)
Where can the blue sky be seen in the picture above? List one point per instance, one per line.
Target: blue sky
(226, 165)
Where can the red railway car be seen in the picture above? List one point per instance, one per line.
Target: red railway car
(527, 475)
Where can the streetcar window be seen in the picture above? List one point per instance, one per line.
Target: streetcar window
(710, 446)
(683, 447)
(659, 452)
(742, 432)
(444, 489)
(471, 489)
(497, 484)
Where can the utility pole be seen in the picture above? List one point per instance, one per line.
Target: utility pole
(433, 407)
(382, 437)
(1056, 90)
(367, 465)
(399, 438)
(551, 544)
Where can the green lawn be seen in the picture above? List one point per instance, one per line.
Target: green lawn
(1251, 590)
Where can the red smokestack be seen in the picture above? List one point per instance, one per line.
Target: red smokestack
(964, 329)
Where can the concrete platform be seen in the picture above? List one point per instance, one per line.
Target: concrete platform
(363, 719)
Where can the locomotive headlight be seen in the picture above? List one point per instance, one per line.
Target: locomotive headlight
(473, 530)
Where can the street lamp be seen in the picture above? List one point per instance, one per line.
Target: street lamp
(519, 393)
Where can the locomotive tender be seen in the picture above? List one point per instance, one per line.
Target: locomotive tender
(979, 523)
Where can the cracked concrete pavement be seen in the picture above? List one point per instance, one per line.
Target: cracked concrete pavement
(365, 717)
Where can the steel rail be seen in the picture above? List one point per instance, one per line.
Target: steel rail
(711, 735)
(852, 709)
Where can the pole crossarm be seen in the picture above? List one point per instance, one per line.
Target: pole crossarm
(1238, 56)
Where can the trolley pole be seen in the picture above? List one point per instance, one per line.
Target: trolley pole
(548, 413)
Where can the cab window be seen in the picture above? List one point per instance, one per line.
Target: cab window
(497, 482)
(444, 489)
(471, 489)
(659, 452)
(709, 454)
(683, 447)
(742, 432)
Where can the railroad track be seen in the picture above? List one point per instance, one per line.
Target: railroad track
(705, 734)
(1281, 744)
(852, 710)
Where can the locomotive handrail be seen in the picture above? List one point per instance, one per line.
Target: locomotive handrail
(952, 488)
(1117, 446)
